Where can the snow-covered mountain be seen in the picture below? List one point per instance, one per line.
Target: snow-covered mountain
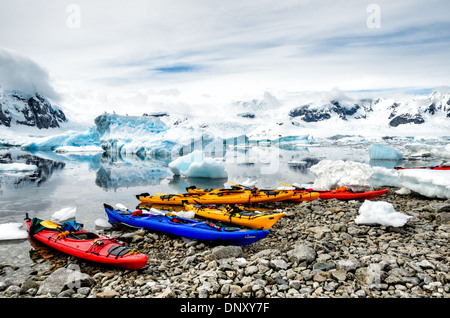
(328, 113)
(386, 110)
(18, 108)
(277, 120)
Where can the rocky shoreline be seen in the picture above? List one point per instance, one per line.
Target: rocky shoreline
(315, 251)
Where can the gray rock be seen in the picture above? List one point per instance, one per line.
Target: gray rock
(13, 291)
(324, 266)
(348, 264)
(278, 264)
(302, 253)
(64, 278)
(219, 252)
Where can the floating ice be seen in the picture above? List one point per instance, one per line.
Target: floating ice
(7, 167)
(12, 231)
(380, 152)
(422, 150)
(380, 212)
(197, 165)
(64, 214)
(102, 223)
(88, 148)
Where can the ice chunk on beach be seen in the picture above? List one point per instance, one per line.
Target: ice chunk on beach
(197, 165)
(332, 174)
(64, 214)
(430, 183)
(355, 175)
(12, 231)
(380, 152)
(380, 212)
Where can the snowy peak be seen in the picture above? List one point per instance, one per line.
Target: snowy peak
(18, 108)
(342, 109)
(440, 101)
(394, 112)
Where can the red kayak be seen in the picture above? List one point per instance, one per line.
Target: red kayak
(343, 193)
(351, 195)
(430, 168)
(89, 246)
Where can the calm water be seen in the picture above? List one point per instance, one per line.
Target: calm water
(86, 181)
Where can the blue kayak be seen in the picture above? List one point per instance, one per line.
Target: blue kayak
(191, 229)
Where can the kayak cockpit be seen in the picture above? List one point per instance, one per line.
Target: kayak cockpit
(83, 236)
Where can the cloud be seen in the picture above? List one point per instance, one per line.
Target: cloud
(235, 49)
(18, 72)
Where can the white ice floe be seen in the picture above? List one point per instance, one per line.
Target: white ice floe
(89, 148)
(12, 231)
(380, 212)
(197, 165)
(16, 167)
(64, 214)
(102, 223)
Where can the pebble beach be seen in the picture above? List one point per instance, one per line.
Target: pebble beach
(315, 251)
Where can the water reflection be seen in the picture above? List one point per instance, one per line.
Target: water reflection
(116, 171)
(268, 164)
(45, 168)
(303, 165)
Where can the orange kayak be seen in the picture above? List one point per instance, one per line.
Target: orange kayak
(218, 197)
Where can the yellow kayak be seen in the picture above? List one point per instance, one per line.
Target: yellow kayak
(301, 196)
(234, 189)
(218, 197)
(236, 215)
(297, 196)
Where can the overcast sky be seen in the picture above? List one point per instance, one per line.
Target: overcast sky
(138, 53)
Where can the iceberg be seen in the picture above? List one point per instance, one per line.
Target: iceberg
(70, 138)
(197, 165)
(380, 152)
(380, 212)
